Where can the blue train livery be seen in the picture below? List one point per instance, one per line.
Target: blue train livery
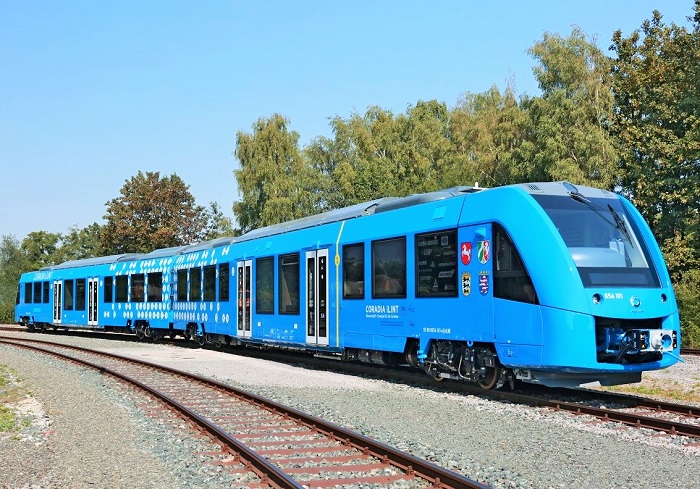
(543, 282)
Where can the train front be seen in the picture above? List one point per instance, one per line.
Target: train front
(608, 308)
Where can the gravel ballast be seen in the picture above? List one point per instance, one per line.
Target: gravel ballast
(89, 433)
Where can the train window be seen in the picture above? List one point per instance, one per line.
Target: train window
(224, 286)
(37, 293)
(354, 271)
(138, 281)
(80, 294)
(436, 264)
(68, 289)
(45, 287)
(122, 288)
(155, 287)
(28, 293)
(264, 286)
(389, 268)
(510, 278)
(182, 285)
(108, 290)
(210, 283)
(195, 284)
(289, 284)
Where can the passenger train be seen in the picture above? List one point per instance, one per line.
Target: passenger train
(547, 283)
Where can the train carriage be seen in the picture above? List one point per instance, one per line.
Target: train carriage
(543, 282)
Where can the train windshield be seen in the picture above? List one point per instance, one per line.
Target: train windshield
(603, 240)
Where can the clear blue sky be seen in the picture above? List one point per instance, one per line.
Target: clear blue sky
(91, 92)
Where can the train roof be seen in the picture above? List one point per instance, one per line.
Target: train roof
(370, 207)
(98, 260)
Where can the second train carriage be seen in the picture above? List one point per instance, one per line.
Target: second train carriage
(544, 282)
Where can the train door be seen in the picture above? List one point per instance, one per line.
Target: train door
(57, 301)
(245, 315)
(317, 297)
(92, 302)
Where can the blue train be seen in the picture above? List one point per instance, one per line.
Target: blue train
(543, 282)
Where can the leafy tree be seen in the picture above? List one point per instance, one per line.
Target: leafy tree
(381, 154)
(569, 133)
(657, 94)
(40, 249)
(152, 213)
(79, 243)
(687, 293)
(487, 131)
(13, 263)
(217, 225)
(273, 179)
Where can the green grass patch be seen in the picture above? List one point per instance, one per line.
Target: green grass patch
(669, 390)
(10, 392)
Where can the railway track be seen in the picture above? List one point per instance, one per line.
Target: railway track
(633, 411)
(271, 445)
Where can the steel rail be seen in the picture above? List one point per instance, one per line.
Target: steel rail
(439, 476)
(268, 472)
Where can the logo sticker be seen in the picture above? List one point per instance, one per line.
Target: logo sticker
(483, 251)
(466, 253)
(484, 283)
(466, 283)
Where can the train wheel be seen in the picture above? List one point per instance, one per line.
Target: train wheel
(200, 340)
(490, 378)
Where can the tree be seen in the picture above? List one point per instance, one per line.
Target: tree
(13, 262)
(569, 133)
(687, 292)
(273, 180)
(657, 122)
(152, 213)
(380, 154)
(40, 249)
(79, 243)
(218, 225)
(487, 131)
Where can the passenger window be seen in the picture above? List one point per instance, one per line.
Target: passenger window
(354, 271)
(210, 283)
(108, 290)
(68, 289)
(155, 287)
(289, 284)
(182, 285)
(137, 285)
(510, 278)
(122, 288)
(224, 286)
(195, 284)
(46, 292)
(436, 264)
(37, 293)
(264, 286)
(28, 293)
(80, 294)
(389, 268)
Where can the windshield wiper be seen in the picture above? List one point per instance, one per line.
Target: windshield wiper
(619, 222)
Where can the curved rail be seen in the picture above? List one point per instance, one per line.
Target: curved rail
(413, 466)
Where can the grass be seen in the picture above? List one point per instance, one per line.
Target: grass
(10, 392)
(671, 391)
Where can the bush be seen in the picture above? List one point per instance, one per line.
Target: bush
(7, 313)
(688, 297)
